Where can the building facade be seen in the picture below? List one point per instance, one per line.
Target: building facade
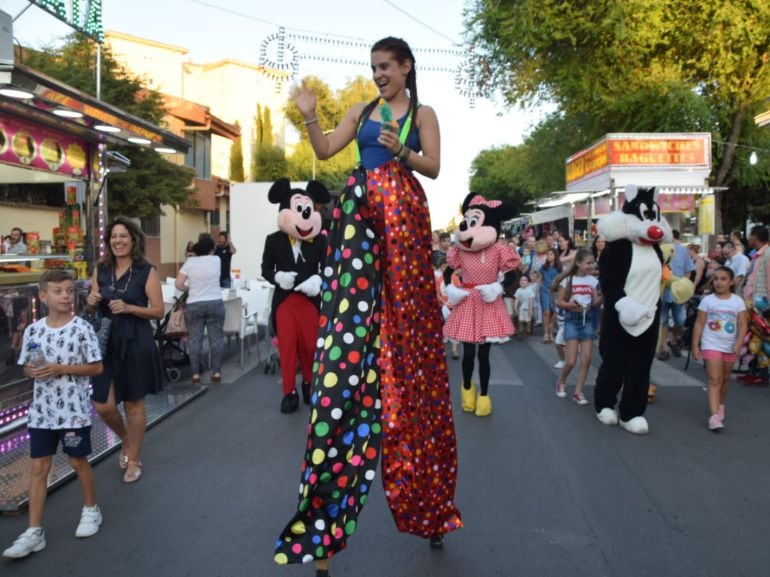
(203, 101)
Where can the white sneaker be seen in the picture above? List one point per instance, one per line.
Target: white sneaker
(559, 365)
(31, 541)
(90, 519)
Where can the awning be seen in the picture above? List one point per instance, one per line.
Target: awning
(550, 214)
(46, 101)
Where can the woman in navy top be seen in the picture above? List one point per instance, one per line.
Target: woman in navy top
(126, 290)
(381, 385)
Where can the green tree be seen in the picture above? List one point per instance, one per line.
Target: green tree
(151, 180)
(632, 64)
(331, 108)
(267, 128)
(270, 164)
(138, 191)
(236, 159)
(497, 173)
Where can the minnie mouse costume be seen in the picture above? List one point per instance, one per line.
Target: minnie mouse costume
(479, 316)
(293, 260)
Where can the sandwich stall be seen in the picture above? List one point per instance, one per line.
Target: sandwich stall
(678, 164)
(55, 159)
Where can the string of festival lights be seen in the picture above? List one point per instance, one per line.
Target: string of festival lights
(280, 58)
(281, 53)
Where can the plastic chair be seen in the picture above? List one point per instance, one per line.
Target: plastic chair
(259, 299)
(240, 323)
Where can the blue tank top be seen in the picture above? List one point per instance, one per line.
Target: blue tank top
(373, 154)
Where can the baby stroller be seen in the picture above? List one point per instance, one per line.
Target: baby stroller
(689, 325)
(171, 334)
(273, 361)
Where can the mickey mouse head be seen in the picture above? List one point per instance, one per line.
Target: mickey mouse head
(297, 215)
(480, 226)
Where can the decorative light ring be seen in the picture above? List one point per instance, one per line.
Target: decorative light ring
(275, 53)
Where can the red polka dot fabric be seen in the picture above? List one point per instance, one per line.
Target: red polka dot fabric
(380, 382)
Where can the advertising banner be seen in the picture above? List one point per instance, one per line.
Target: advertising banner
(26, 144)
(634, 157)
(706, 220)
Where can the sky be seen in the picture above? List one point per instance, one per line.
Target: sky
(216, 29)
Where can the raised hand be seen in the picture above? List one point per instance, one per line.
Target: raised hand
(305, 99)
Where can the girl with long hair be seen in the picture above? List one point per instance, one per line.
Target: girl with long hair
(717, 338)
(550, 270)
(577, 294)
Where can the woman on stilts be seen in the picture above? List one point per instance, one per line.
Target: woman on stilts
(380, 383)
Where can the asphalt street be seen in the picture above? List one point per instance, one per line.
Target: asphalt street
(544, 489)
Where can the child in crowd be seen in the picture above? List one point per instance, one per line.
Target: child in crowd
(524, 306)
(443, 300)
(558, 340)
(60, 352)
(577, 294)
(717, 338)
(534, 285)
(510, 286)
(549, 271)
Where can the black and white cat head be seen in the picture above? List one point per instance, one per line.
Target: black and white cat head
(639, 219)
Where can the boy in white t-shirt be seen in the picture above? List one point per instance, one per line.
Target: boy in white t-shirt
(61, 353)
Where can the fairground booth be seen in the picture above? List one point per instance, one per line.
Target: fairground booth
(55, 158)
(678, 164)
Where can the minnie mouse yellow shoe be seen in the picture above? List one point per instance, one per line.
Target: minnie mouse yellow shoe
(483, 406)
(468, 398)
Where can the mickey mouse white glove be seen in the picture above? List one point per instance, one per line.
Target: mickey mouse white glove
(631, 313)
(445, 312)
(311, 287)
(455, 294)
(285, 280)
(490, 292)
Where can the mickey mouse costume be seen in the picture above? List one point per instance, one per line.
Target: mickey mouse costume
(630, 269)
(479, 316)
(293, 260)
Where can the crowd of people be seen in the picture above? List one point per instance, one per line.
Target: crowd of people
(374, 393)
(566, 299)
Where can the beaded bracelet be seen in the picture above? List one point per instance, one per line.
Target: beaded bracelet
(311, 121)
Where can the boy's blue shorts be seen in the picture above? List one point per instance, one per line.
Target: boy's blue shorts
(74, 442)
